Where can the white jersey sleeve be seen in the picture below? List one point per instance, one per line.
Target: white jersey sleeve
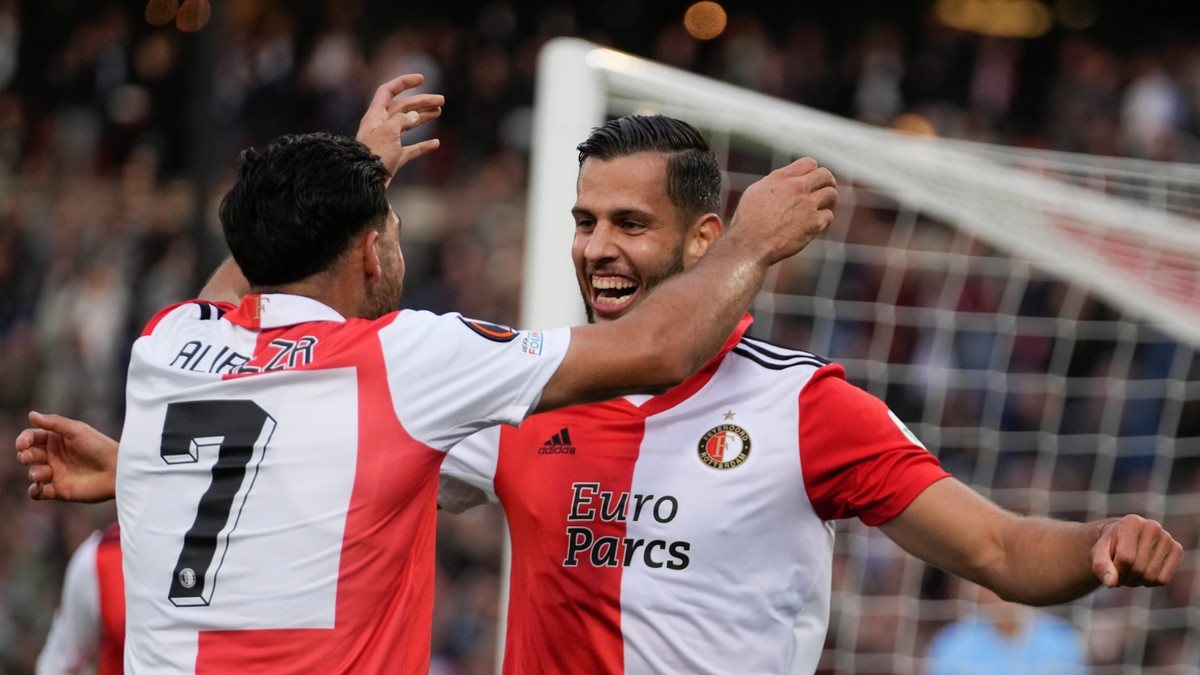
(485, 374)
(469, 472)
(74, 637)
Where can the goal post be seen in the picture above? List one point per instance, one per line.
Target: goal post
(1033, 316)
(1139, 250)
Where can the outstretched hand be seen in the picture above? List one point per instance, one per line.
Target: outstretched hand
(68, 460)
(785, 210)
(389, 117)
(1133, 551)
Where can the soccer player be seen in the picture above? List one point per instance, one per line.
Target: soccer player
(666, 533)
(88, 630)
(276, 484)
(690, 531)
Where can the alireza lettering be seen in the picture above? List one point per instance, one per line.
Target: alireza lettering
(198, 357)
(280, 354)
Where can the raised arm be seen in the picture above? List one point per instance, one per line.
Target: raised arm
(1032, 560)
(67, 459)
(388, 117)
(683, 323)
(382, 127)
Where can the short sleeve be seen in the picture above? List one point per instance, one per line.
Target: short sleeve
(451, 376)
(858, 458)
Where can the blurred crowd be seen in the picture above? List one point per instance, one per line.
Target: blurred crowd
(116, 139)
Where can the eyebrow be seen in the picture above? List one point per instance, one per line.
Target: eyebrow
(636, 214)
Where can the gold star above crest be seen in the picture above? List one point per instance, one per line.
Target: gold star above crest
(729, 415)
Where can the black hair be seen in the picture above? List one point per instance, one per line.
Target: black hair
(298, 203)
(693, 174)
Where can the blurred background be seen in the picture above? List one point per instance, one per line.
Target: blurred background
(117, 138)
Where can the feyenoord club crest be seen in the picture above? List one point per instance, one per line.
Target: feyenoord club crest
(725, 446)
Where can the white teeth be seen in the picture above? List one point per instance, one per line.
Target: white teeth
(608, 283)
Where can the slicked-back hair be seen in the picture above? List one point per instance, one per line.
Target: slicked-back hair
(693, 174)
(298, 203)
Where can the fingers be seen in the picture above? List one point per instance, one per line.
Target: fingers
(1102, 559)
(34, 454)
(1134, 551)
(42, 491)
(64, 426)
(799, 167)
(404, 120)
(783, 212)
(827, 199)
(386, 107)
(30, 438)
(424, 147)
(815, 178)
(31, 446)
(421, 103)
(386, 121)
(39, 473)
(391, 89)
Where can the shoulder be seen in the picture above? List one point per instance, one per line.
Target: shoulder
(199, 310)
(771, 356)
(453, 332)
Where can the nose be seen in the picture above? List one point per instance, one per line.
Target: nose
(601, 243)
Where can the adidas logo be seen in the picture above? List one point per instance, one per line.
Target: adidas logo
(559, 444)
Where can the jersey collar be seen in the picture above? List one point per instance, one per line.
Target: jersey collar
(693, 384)
(276, 310)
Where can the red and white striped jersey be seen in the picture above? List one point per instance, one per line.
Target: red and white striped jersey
(87, 634)
(689, 532)
(277, 479)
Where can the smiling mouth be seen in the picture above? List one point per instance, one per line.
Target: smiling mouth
(612, 292)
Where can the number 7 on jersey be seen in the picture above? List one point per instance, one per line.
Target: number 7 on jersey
(238, 430)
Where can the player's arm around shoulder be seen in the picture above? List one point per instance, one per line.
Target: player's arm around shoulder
(685, 320)
(1029, 559)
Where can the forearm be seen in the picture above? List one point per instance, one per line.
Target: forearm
(1045, 561)
(686, 320)
(1032, 560)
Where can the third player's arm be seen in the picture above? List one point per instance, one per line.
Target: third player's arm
(1032, 560)
(67, 459)
(683, 323)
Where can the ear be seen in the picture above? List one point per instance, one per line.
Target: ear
(372, 268)
(700, 235)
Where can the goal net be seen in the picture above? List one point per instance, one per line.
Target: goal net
(1032, 316)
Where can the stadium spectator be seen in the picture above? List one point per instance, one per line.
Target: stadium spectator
(1001, 637)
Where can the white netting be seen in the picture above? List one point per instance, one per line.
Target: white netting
(1032, 316)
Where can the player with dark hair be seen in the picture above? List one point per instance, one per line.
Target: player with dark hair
(690, 531)
(276, 483)
(666, 533)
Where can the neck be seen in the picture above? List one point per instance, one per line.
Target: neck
(333, 290)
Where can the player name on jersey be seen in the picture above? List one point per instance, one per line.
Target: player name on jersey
(279, 354)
